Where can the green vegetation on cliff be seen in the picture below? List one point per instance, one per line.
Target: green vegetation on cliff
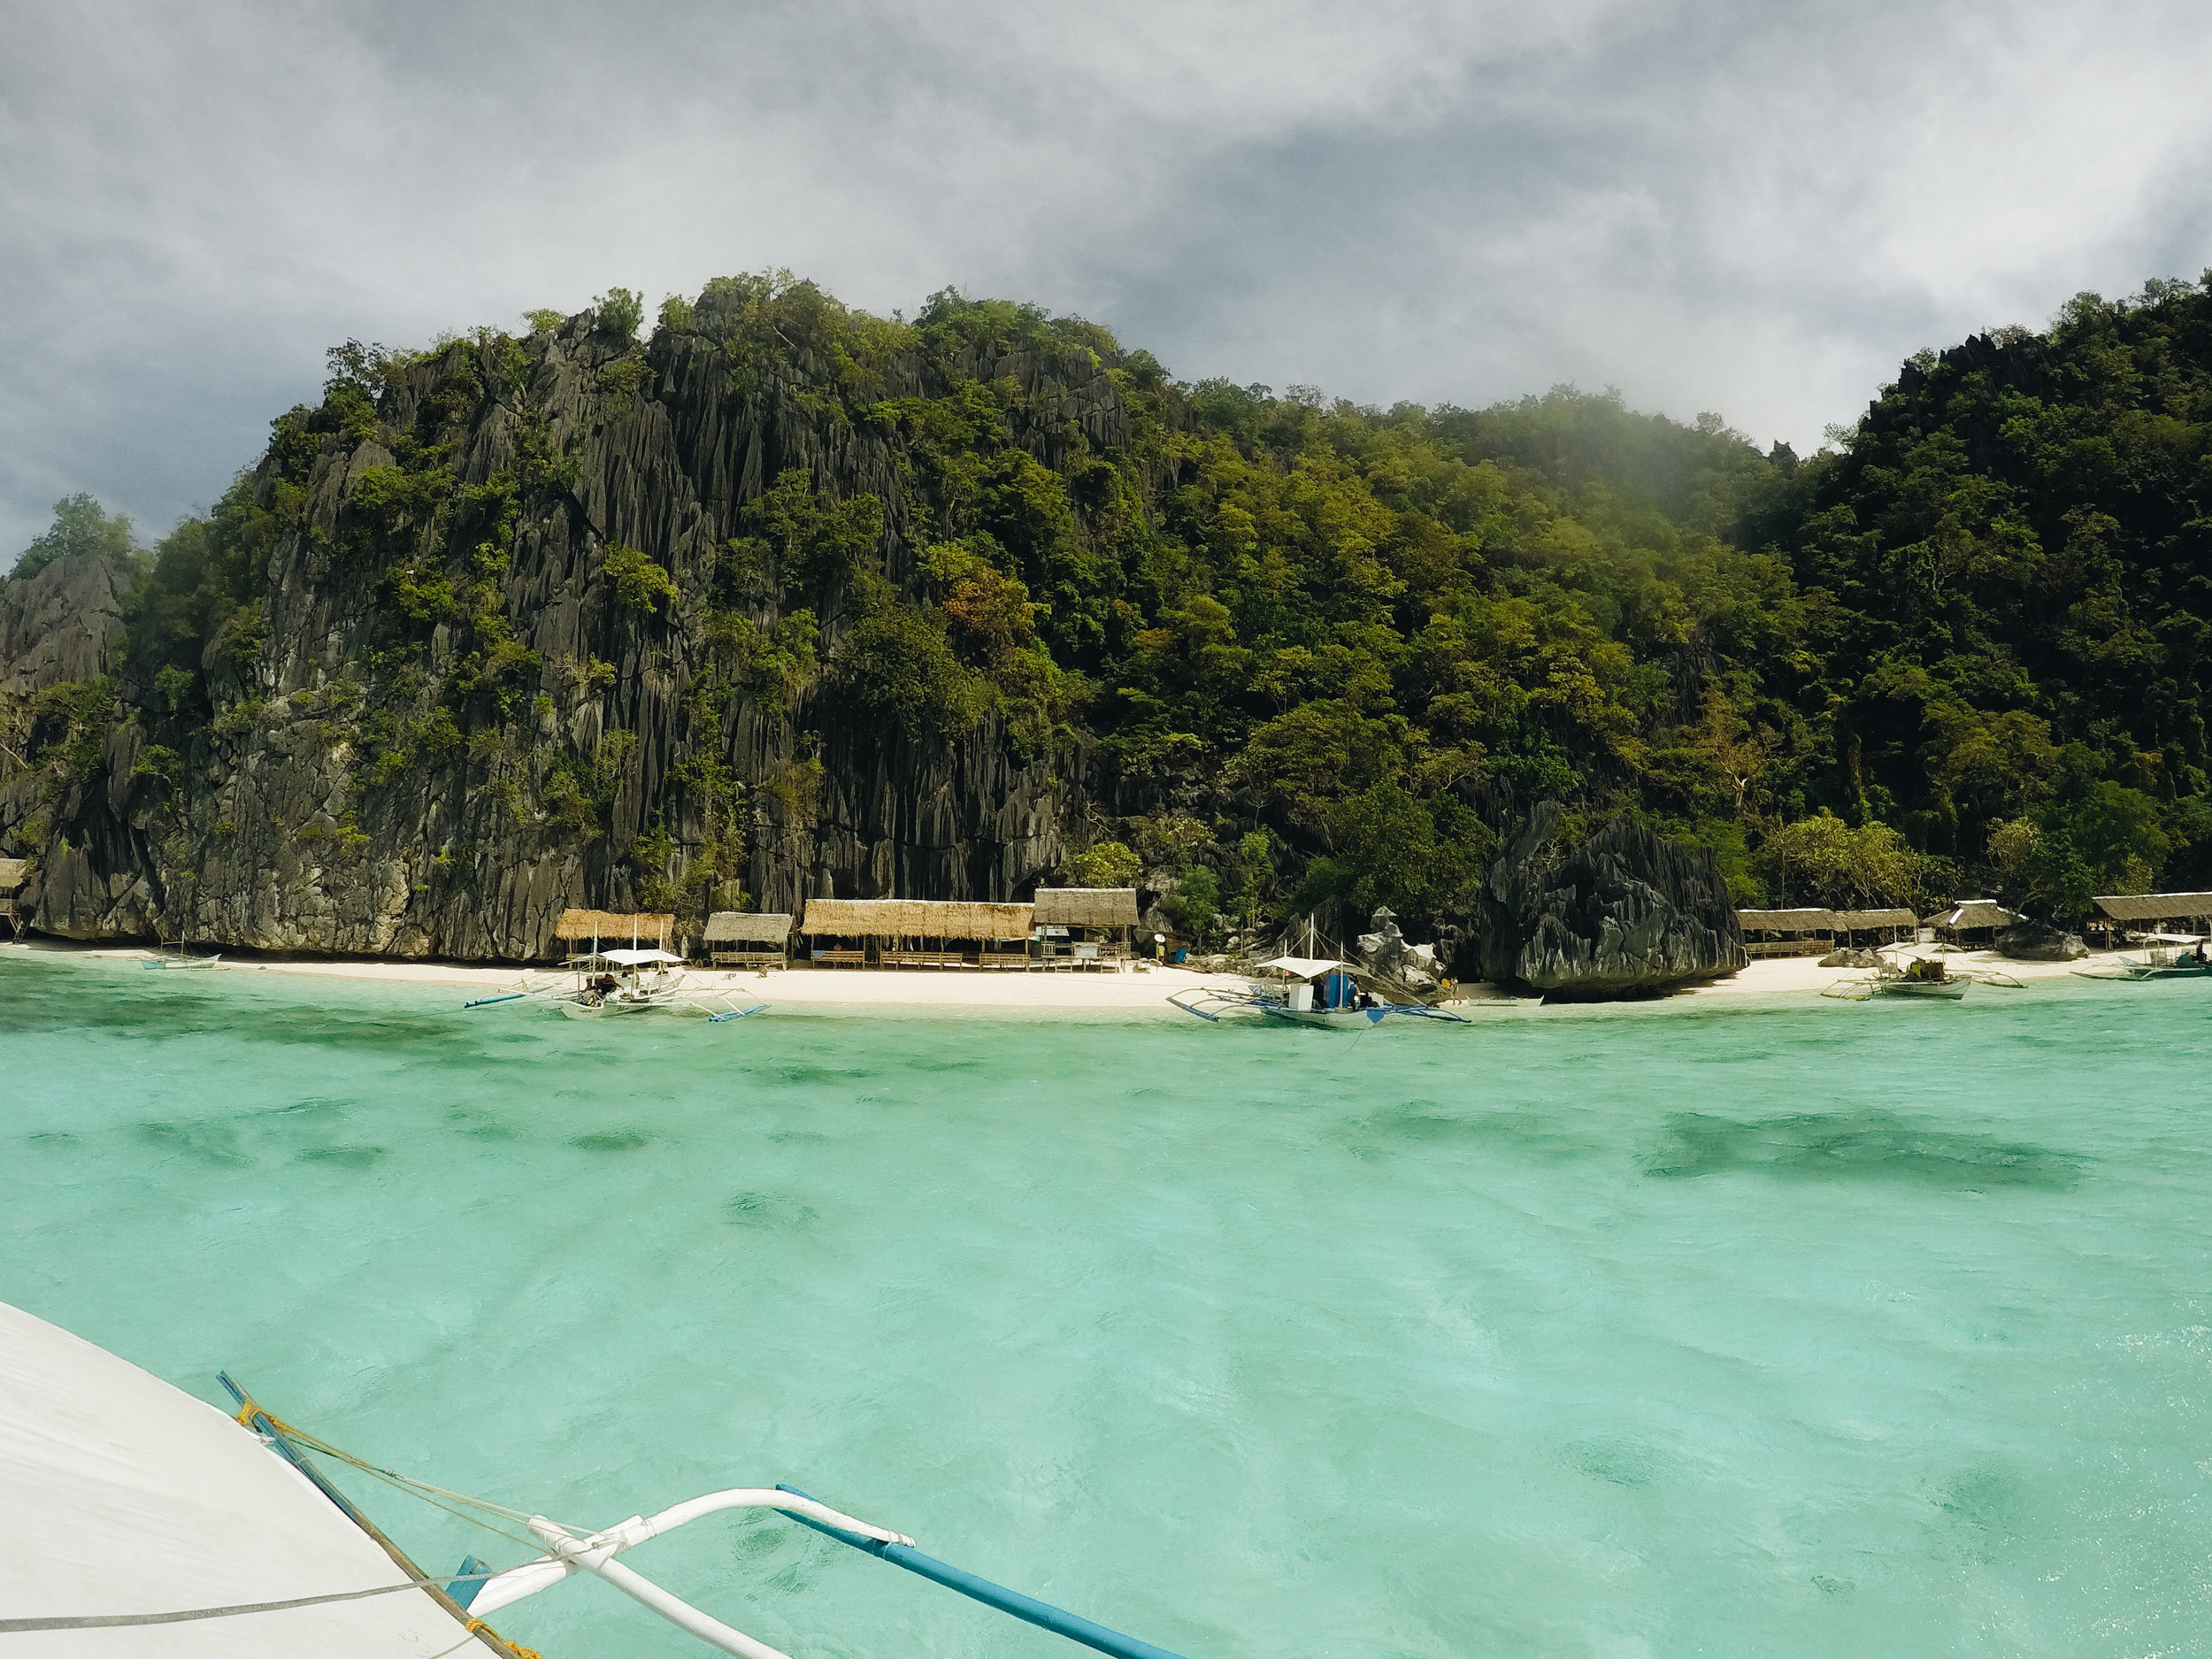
(1300, 649)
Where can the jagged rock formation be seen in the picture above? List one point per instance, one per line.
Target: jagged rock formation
(65, 622)
(2040, 941)
(1626, 914)
(443, 715)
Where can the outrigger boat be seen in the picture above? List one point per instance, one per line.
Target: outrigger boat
(174, 1532)
(175, 958)
(2166, 961)
(1929, 978)
(633, 980)
(1308, 991)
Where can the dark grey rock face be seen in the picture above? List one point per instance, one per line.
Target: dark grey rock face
(278, 828)
(1626, 914)
(2040, 941)
(65, 622)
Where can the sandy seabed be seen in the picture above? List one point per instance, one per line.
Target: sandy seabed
(1129, 991)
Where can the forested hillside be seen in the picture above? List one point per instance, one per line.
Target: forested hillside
(785, 599)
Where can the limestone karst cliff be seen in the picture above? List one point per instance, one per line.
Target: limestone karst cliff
(522, 624)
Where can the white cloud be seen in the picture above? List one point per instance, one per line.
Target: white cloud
(1757, 208)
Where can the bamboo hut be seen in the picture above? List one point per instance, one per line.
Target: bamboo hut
(1787, 932)
(1083, 928)
(614, 927)
(741, 939)
(2147, 913)
(1875, 928)
(916, 934)
(12, 874)
(1975, 922)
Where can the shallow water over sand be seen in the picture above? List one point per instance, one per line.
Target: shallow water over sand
(1741, 1328)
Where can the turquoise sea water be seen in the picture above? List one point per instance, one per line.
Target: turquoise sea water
(1786, 1327)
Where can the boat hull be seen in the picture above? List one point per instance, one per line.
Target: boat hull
(1938, 990)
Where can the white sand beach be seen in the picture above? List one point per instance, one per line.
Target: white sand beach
(1129, 991)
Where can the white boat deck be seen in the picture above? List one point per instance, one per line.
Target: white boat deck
(125, 1495)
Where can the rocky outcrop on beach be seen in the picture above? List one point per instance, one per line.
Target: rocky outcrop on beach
(1626, 913)
(2040, 941)
(1852, 957)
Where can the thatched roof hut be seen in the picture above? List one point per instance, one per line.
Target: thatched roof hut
(1874, 921)
(1787, 933)
(1087, 907)
(12, 870)
(1812, 921)
(610, 926)
(1975, 915)
(2130, 907)
(766, 928)
(915, 919)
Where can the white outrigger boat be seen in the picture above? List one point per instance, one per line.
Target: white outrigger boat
(1925, 977)
(2165, 960)
(1307, 991)
(631, 980)
(142, 1521)
(175, 958)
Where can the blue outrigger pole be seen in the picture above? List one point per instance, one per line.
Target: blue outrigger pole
(1059, 1621)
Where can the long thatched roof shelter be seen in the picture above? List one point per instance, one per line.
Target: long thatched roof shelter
(915, 919)
(1867, 921)
(1787, 921)
(2154, 907)
(766, 928)
(610, 925)
(1087, 907)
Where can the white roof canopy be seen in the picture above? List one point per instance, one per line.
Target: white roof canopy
(627, 958)
(125, 1495)
(1305, 967)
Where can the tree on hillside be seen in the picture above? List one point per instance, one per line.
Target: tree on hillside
(80, 526)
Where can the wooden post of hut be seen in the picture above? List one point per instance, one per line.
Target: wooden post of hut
(744, 939)
(1085, 927)
(13, 873)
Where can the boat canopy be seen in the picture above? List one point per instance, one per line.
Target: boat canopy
(1305, 967)
(627, 958)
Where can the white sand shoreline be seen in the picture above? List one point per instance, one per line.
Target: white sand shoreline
(1126, 992)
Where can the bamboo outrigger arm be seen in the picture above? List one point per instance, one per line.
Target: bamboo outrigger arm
(567, 1554)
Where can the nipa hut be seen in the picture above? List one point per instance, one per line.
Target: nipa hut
(916, 934)
(610, 928)
(1787, 933)
(1975, 922)
(1875, 928)
(1084, 928)
(2152, 913)
(743, 939)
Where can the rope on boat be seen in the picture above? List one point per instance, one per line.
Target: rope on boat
(108, 1621)
(250, 1410)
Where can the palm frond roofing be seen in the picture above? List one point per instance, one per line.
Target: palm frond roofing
(1087, 907)
(2136, 907)
(765, 927)
(1787, 921)
(915, 919)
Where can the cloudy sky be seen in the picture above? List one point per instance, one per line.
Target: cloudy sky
(1752, 208)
